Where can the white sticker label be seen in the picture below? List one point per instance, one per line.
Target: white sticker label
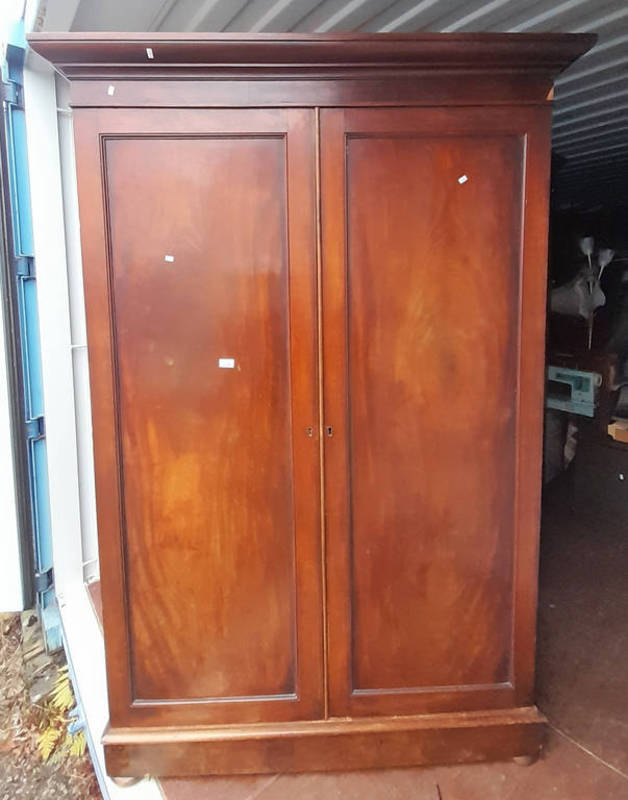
(149, 52)
(462, 179)
(110, 90)
(169, 259)
(226, 363)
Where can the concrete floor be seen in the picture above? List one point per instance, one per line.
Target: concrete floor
(582, 651)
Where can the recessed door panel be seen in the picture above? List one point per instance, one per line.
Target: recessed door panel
(200, 292)
(433, 290)
(215, 387)
(421, 373)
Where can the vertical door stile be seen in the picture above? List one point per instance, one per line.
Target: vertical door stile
(321, 409)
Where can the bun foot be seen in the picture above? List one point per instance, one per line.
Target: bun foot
(123, 783)
(525, 761)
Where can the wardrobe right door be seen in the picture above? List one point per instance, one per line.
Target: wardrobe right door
(434, 260)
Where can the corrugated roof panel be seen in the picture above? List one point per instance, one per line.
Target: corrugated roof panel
(94, 15)
(330, 16)
(406, 15)
(272, 16)
(604, 131)
(200, 15)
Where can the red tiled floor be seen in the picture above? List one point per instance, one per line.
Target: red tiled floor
(564, 773)
(237, 788)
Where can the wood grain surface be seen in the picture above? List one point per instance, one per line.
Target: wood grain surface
(218, 513)
(423, 243)
(323, 553)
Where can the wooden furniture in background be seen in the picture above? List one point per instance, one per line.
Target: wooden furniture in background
(315, 284)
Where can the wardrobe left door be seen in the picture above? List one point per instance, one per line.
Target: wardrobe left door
(198, 232)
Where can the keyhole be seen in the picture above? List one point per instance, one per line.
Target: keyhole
(329, 430)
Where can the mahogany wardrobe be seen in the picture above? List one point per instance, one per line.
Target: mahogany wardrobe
(315, 276)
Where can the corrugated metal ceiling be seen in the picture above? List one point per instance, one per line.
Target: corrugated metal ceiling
(591, 109)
